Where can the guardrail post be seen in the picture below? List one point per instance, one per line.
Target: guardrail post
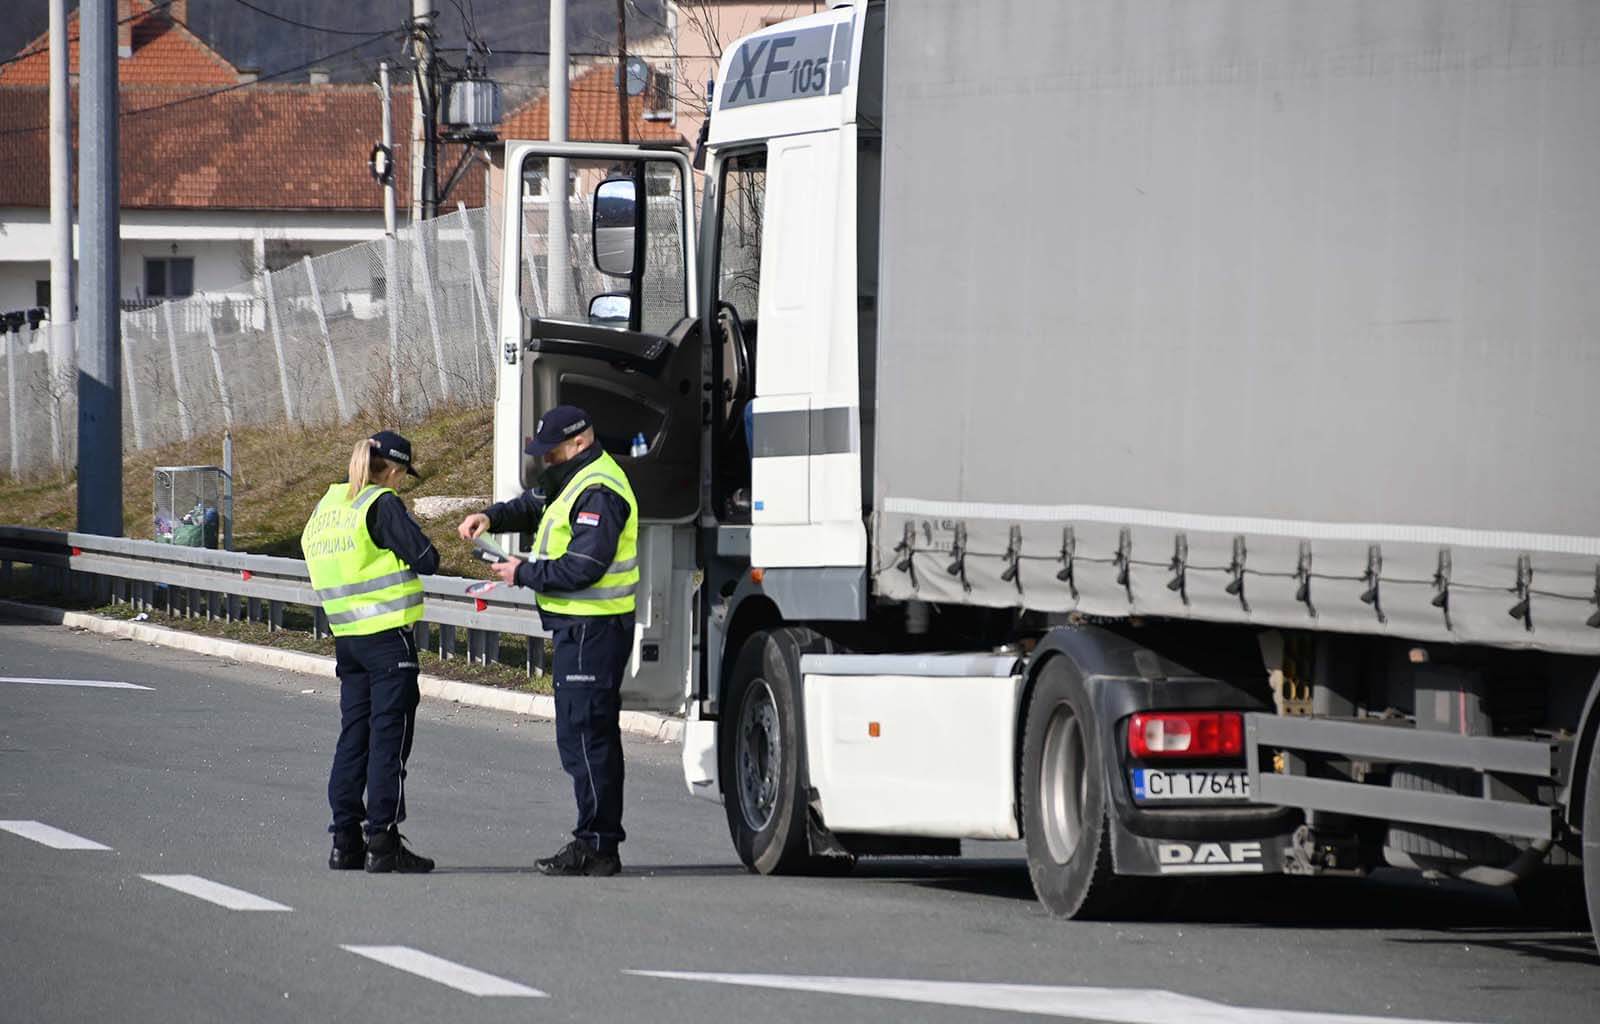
(447, 641)
(274, 616)
(252, 606)
(319, 625)
(483, 646)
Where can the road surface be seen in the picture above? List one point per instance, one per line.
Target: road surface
(162, 859)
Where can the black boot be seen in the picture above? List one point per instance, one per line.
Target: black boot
(349, 851)
(386, 852)
(579, 858)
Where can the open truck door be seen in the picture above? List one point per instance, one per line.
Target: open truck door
(597, 310)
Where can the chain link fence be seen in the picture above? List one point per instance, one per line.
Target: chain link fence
(390, 329)
(393, 328)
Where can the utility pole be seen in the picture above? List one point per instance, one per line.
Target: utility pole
(100, 347)
(61, 312)
(424, 116)
(560, 284)
(388, 145)
(622, 71)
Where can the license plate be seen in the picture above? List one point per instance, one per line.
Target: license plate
(1151, 785)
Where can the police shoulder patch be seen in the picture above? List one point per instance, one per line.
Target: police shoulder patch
(587, 519)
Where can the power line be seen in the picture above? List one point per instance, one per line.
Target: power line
(297, 24)
(196, 97)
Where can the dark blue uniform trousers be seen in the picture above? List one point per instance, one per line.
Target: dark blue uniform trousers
(590, 658)
(378, 698)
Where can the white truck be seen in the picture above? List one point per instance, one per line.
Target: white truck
(1158, 432)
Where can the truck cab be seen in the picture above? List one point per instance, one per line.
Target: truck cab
(737, 363)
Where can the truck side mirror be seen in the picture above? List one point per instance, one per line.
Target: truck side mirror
(615, 213)
(610, 309)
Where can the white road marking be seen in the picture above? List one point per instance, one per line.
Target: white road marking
(54, 838)
(215, 892)
(456, 976)
(98, 684)
(1112, 1005)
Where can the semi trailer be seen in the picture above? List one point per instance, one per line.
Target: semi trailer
(1161, 433)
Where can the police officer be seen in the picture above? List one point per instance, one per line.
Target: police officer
(364, 553)
(585, 570)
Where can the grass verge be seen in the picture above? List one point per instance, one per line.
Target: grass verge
(280, 473)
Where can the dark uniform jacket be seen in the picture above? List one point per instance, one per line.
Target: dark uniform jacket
(594, 535)
(392, 527)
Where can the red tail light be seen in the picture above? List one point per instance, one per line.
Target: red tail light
(1186, 734)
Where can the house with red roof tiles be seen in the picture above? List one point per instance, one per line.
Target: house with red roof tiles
(220, 173)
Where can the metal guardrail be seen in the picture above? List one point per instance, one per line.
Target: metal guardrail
(230, 585)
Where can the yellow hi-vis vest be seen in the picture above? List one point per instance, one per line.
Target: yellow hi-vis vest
(364, 589)
(613, 593)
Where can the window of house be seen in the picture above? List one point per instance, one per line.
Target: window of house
(659, 96)
(41, 294)
(168, 277)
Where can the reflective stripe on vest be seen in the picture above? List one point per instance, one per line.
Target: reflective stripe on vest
(614, 593)
(364, 589)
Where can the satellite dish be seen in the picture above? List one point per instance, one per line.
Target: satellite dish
(638, 70)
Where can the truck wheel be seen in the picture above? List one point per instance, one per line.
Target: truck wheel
(1065, 813)
(1591, 843)
(762, 750)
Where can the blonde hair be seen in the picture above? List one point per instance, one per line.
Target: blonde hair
(366, 466)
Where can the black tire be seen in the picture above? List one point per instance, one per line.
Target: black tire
(1065, 811)
(761, 787)
(1591, 842)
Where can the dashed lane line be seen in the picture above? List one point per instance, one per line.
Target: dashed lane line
(456, 976)
(1111, 1005)
(94, 684)
(48, 835)
(215, 892)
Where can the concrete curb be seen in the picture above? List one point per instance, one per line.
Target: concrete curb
(661, 728)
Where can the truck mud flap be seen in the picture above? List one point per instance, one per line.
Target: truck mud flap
(1143, 855)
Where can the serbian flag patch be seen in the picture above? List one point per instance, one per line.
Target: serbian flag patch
(588, 519)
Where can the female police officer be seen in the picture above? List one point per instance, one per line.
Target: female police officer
(364, 552)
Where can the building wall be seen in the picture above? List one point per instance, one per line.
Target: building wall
(705, 29)
(223, 245)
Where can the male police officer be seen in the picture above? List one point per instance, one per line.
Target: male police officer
(585, 570)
